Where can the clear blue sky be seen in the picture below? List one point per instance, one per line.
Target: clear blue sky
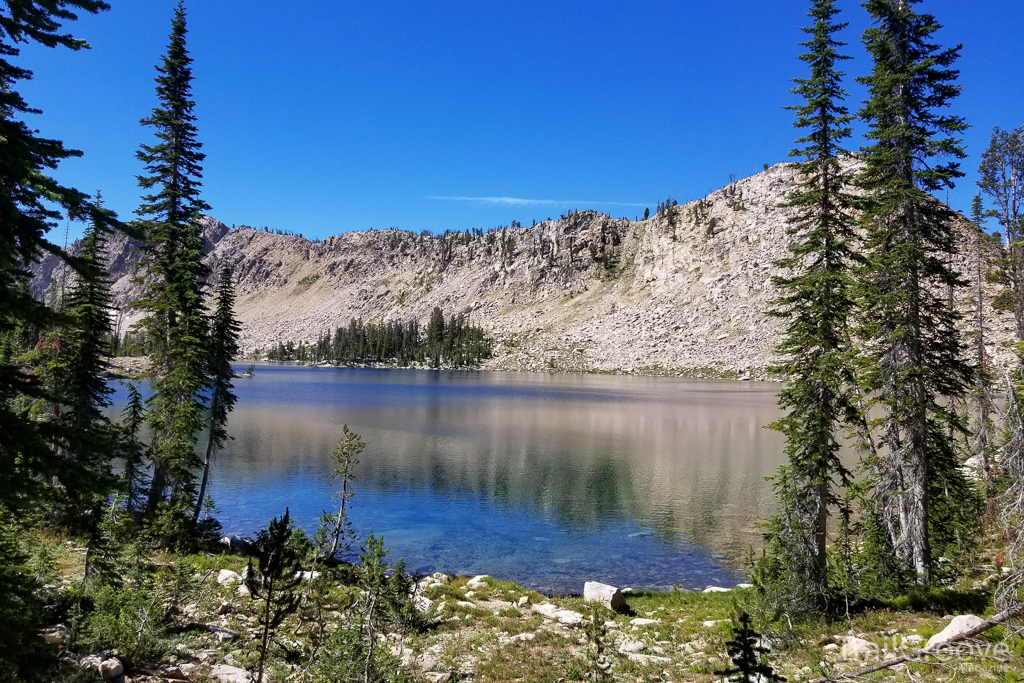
(321, 117)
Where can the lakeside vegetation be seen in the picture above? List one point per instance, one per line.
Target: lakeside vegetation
(451, 342)
(110, 542)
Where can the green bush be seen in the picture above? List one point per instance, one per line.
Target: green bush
(126, 620)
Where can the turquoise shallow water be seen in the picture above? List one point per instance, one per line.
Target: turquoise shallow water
(548, 480)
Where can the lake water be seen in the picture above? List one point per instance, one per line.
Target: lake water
(549, 480)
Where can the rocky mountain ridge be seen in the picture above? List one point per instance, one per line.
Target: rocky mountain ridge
(683, 293)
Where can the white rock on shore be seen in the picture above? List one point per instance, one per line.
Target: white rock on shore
(608, 596)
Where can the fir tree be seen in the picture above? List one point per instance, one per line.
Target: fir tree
(173, 304)
(913, 365)
(1002, 178)
(31, 204)
(435, 336)
(224, 331)
(132, 451)
(90, 438)
(335, 532)
(274, 582)
(748, 656)
(815, 298)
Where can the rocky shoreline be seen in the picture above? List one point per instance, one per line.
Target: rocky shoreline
(481, 628)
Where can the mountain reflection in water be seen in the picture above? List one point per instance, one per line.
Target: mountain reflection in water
(549, 480)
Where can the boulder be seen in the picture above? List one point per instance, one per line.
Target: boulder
(227, 577)
(110, 668)
(857, 648)
(628, 646)
(643, 622)
(223, 634)
(229, 674)
(58, 634)
(647, 659)
(238, 545)
(478, 581)
(92, 661)
(440, 577)
(716, 589)
(959, 624)
(524, 601)
(603, 594)
(421, 603)
(562, 616)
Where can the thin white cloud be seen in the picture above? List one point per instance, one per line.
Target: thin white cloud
(519, 201)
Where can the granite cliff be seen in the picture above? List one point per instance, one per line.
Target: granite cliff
(685, 292)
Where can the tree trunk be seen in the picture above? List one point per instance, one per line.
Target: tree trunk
(206, 463)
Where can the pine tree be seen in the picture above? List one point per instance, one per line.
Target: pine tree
(274, 582)
(435, 336)
(31, 204)
(335, 532)
(748, 656)
(224, 332)
(175, 318)
(1002, 178)
(90, 438)
(132, 452)
(914, 365)
(815, 298)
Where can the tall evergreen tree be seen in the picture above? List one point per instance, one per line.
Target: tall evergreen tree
(914, 363)
(815, 298)
(224, 331)
(31, 204)
(175, 318)
(90, 440)
(132, 452)
(1001, 177)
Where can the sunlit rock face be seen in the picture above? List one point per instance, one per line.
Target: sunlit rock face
(681, 293)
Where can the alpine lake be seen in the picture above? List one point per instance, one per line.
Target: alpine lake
(548, 480)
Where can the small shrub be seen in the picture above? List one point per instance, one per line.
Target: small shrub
(748, 657)
(126, 620)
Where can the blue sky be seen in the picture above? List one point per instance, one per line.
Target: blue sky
(321, 117)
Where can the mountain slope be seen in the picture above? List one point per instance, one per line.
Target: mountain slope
(684, 293)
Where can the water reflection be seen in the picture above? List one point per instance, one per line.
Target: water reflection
(547, 479)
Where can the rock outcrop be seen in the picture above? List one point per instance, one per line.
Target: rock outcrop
(681, 293)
